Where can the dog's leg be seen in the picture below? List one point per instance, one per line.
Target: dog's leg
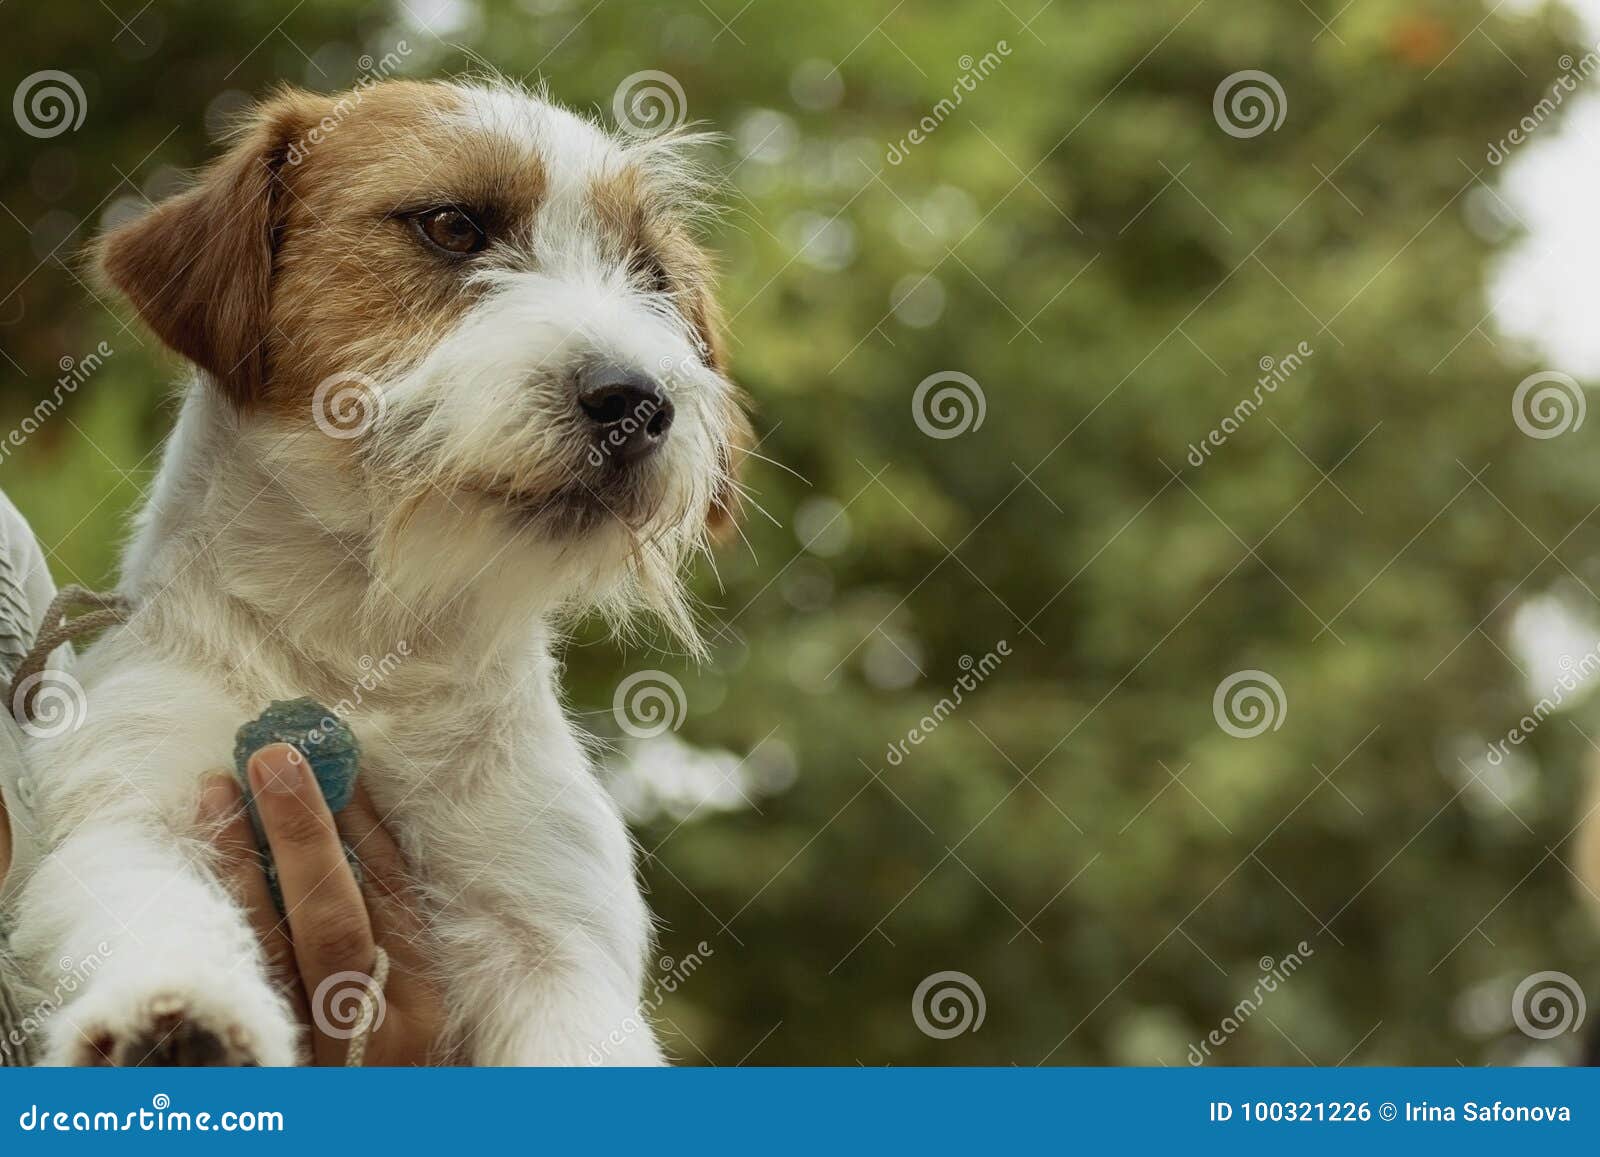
(536, 979)
(543, 940)
(171, 969)
(566, 1014)
(546, 1027)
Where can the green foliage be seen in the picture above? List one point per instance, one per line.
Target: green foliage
(1080, 836)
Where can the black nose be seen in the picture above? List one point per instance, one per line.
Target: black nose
(630, 411)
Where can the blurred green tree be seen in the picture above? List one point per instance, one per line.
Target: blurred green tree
(1081, 237)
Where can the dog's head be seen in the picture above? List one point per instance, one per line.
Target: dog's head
(484, 319)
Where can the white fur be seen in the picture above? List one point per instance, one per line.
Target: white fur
(271, 562)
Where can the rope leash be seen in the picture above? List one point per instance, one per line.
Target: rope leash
(110, 609)
(371, 1002)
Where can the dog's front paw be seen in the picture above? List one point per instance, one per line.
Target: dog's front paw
(170, 1024)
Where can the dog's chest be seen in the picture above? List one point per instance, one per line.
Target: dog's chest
(484, 795)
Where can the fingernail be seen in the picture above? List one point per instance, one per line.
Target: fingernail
(277, 768)
(218, 794)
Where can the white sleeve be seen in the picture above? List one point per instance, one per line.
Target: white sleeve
(25, 587)
(25, 594)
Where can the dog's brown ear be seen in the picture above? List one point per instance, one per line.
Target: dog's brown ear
(198, 267)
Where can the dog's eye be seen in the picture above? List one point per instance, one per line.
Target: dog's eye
(451, 230)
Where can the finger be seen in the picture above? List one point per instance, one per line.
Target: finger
(226, 822)
(328, 919)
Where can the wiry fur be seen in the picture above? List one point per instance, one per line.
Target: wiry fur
(462, 529)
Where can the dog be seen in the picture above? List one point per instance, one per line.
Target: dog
(458, 377)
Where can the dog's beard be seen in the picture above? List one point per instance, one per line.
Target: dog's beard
(612, 538)
(630, 497)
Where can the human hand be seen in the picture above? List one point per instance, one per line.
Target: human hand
(334, 924)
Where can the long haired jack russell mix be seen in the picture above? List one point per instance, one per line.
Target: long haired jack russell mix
(457, 378)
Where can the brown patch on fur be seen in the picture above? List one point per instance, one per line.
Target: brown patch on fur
(198, 268)
(294, 260)
(356, 287)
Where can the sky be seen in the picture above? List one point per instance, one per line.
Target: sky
(1547, 291)
(1545, 295)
